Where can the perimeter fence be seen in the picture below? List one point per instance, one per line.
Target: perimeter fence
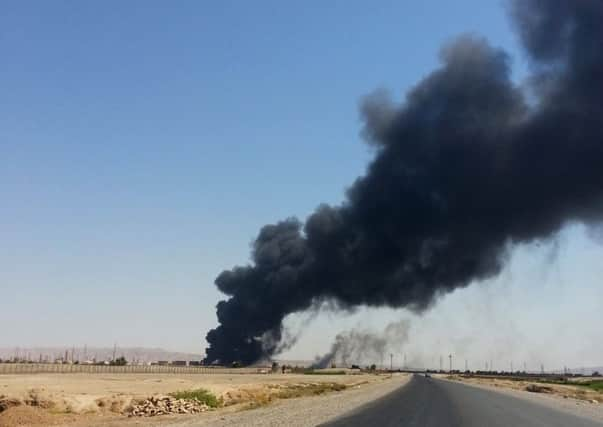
(56, 368)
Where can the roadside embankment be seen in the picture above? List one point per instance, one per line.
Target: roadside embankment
(121, 399)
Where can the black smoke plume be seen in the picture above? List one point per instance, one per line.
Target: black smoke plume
(363, 347)
(468, 165)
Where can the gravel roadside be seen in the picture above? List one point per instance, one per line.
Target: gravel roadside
(300, 412)
(576, 407)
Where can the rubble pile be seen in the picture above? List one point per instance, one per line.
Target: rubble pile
(7, 402)
(538, 389)
(165, 405)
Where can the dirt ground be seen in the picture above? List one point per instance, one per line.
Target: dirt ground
(80, 399)
(559, 390)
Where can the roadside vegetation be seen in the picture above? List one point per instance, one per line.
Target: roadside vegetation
(257, 398)
(200, 395)
(313, 372)
(595, 385)
(300, 390)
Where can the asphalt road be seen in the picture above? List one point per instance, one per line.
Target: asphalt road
(428, 402)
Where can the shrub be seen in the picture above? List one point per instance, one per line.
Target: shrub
(200, 395)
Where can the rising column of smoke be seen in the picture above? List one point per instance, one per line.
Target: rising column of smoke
(463, 168)
(361, 347)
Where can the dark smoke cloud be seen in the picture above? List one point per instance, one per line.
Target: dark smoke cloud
(362, 347)
(463, 168)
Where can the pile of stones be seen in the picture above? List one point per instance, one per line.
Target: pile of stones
(159, 405)
(538, 389)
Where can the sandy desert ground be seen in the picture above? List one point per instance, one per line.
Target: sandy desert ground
(565, 391)
(100, 399)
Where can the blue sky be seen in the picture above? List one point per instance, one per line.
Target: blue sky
(143, 144)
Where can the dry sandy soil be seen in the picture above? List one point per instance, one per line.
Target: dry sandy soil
(98, 399)
(555, 390)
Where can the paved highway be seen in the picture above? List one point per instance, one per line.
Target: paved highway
(428, 402)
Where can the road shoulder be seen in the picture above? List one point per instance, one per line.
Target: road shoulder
(580, 408)
(305, 411)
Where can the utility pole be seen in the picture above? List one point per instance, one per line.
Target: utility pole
(466, 366)
(450, 357)
(441, 368)
(405, 361)
(511, 366)
(391, 362)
